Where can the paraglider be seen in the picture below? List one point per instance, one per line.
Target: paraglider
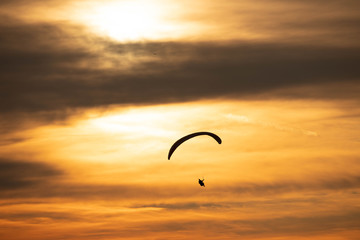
(187, 137)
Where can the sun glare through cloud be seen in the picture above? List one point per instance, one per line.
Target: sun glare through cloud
(136, 20)
(96, 95)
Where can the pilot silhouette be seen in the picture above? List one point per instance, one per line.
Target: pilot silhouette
(201, 182)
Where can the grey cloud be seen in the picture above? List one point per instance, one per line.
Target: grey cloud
(11, 140)
(40, 82)
(15, 175)
(73, 190)
(54, 69)
(307, 22)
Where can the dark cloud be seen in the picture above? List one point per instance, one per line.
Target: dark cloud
(19, 175)
(50, 71)
(40, 181)
(11, 140)
(13, 6)
(73, 190)
(45, 74)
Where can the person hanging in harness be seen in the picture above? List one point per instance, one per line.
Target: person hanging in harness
(201, 182)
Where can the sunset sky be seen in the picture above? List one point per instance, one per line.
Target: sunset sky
(94, 93)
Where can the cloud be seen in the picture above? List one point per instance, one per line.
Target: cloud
(288, 226)
(11, 140)
(34, 180)
(300, 226)
(46, 73)
(244, 119)
(38, 217)
(15, 175)
(214, 227)
(73, 190)
(62, 70)
(282, 186)
(183, 205)
(41, 186)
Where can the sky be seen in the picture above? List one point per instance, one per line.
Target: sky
(94, 93)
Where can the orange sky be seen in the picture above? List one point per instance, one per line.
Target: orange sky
(94, 93)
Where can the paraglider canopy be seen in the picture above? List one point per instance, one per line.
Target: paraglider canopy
(187, 137)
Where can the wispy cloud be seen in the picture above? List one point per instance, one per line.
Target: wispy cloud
(246, 120)
(43, 181)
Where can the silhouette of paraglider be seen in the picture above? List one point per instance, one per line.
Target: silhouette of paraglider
(187, 137)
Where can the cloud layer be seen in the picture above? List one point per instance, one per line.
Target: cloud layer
(41, 76)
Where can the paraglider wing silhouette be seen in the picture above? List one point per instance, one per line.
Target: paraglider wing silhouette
(187, 137)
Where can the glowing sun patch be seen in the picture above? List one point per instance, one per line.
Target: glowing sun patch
(132, 20)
